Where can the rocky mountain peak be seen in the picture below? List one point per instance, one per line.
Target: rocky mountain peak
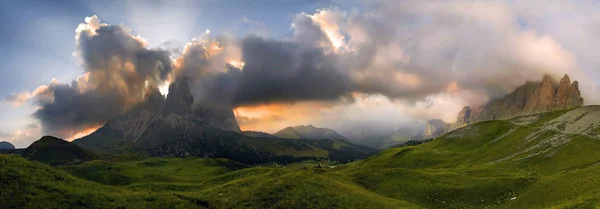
(562, 95)
(574, 98)
(219, 116)
(546, 96)
(530, 98)
(180, 99)
(565, 79)
(153, 98)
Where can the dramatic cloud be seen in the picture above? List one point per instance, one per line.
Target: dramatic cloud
(118, 68)
(389, 63)
(20, 99)
(427, 59)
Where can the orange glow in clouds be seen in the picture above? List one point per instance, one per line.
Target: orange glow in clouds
(84, 132)
(276, 116)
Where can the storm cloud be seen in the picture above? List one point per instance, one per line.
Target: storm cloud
(420, 59)
(118, 68)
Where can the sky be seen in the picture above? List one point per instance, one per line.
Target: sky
(69, 66)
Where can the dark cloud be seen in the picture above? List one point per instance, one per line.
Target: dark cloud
(415, 53)
(118, 67)
(276, 71)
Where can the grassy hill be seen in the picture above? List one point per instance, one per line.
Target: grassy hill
(520, 163)
(526, 162)
(6, 145)
(178, 183)
(29, 184)
(55, 151)
(288, 133)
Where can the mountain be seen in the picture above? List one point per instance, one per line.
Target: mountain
(54, 151)
(545, 160)
(176, 127)
(6, 145)
(288, 133)
(309, 132)
(530, 98)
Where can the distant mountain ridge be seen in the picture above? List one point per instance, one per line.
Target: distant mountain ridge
(530, 98)
(6, 145)
(309, 132)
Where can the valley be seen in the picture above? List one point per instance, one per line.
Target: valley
(535, 161)
(277, 104)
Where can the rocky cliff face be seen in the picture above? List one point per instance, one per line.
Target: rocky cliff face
(464, 118)
(221, 117)
(530, 98)
(435, 128)
(574, 98)
(132, 125)
(180, 99)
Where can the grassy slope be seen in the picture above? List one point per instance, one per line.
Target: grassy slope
(165, 170)
(27, 184)
(487, 166)
(492, 164)
(179, 183)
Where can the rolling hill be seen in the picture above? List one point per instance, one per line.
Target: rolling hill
(6, 145)
(55, 151)
(547, 160)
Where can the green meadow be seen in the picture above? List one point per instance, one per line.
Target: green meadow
(490, 164)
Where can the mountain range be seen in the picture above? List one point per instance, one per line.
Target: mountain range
(530, 98)
(309, 132)
(177, 127)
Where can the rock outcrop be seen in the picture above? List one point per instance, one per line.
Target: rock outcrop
(180, 99)
(435, 128)
(530, 98)
(575, 99)
(464, 118)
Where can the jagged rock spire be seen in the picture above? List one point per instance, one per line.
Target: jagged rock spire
(180, 99)
(564, 89)
(530, 98)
